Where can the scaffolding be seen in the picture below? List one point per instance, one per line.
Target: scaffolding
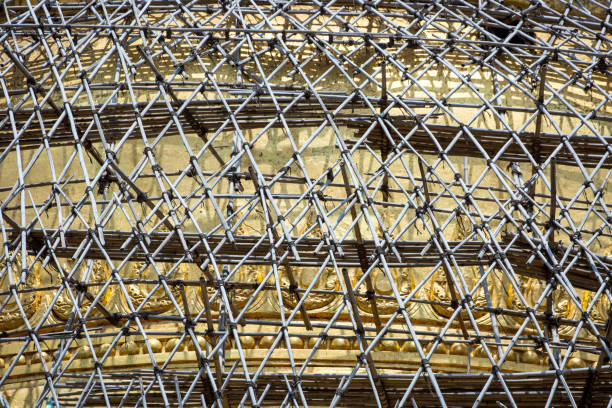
(172, 170)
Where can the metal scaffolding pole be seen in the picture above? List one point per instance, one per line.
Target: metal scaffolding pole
(268, 203)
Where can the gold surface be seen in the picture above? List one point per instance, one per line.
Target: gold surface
(272, 151)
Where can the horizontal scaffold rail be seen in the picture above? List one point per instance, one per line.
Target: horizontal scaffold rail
(459, 388)
(302, 111)
(584, 273)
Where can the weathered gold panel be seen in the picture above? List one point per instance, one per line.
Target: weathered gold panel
(301, 203)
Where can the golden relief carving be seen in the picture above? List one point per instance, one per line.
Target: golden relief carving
(251, 274)
(246, 273)
(99, 273)
(159, 301)
(403, 280)
(513, 300)
(10, 315)
(304, 277)
(238, 296)
(439, 290)
(601, 310)
(564, 307)
(531, 290)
